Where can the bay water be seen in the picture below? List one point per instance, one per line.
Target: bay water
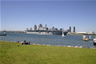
(55, 40)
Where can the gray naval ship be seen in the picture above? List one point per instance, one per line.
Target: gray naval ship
(45, 31)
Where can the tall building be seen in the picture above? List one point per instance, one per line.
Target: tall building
(40, 26)
(35, 27)
(61, 29)
(30, 28)
(27, 28)
(70, 29)
(74, 29)
(45, 25)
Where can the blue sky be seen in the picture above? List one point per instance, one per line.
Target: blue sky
(22, 14)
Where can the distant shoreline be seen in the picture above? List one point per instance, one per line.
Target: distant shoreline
(81, 34)
(14, 31)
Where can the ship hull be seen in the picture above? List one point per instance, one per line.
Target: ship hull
(46, 32)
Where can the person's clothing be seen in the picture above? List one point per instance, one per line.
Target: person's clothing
(94, 40)
(94, 44)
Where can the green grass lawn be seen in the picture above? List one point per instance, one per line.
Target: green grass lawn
(11, 53)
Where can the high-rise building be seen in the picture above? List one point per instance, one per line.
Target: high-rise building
(35, 27)
(61, 29)
(27, 28)
(40, 26)
(45, 25)
(70, 29)
(30, 28)
(74, 29)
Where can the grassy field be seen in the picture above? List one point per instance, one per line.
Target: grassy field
(11, 53)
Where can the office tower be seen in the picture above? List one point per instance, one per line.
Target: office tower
(40, 26)
(74, 29)
(30, 28)
(35, 27)
(45, 25)
(27, 28)
(70, 29)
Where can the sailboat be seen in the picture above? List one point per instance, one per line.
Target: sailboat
(63, 34)
(84, 38)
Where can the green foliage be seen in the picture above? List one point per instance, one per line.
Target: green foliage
(15, 53)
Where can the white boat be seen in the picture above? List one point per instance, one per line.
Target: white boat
(90, 38)
(63, 34)
(86, 39)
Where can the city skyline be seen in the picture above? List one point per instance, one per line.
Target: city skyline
(19, 15)
(45, 27)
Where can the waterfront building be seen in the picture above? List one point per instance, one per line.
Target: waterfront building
(70, 29)
(53, 29)
(92, 32)
(30, 28)
(47, 28)
(82, 33)
(27, 28)
(45, 25)
(61, 29)
(25, 31)
(40, 26)
(74, 29)
(56, 28)
(35, 27)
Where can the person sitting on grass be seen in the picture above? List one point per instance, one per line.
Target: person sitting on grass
(24, 41)
(94, 42)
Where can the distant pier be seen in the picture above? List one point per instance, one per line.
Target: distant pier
(3, 34)
(74, 33)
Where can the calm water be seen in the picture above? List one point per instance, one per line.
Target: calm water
(68, 40)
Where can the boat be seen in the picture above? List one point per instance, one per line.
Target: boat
(86, 39)
(90, 38)
(44, 32)
(63, 34)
